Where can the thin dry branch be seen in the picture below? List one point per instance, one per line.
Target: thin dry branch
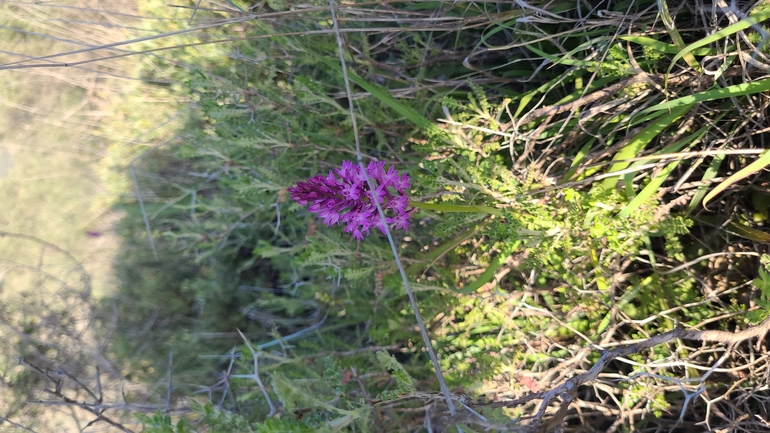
(64, 400)
(567, 391)
(14, 424)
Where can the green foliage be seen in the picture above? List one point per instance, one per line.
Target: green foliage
(557, 231)
(762, 284)
(160, 423)
(215, 419)
(652, 397)
(220, 420)
(404, 382)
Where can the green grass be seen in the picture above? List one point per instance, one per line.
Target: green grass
(561, 166)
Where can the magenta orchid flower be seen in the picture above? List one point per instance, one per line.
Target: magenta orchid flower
(344, 197)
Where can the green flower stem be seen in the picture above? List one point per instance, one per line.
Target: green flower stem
(456, 208)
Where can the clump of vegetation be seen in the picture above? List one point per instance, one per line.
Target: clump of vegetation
(585, 211)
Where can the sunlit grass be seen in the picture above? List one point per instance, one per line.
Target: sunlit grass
(590, 147)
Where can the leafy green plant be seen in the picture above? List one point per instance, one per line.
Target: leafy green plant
(159, 423)
(762, 284)
(404, 382)
(559, 175)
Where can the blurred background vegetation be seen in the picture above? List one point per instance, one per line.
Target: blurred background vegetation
(157, 277)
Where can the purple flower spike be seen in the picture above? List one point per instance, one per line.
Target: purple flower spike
(344, 197)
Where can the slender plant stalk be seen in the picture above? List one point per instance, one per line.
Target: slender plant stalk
(404, 278)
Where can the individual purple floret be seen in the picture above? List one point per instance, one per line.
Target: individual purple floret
(344, 197)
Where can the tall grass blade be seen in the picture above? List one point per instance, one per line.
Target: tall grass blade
(749, 232)
(639, 141)
(445, 248)
(742, 89)
(759, 164)
(664, 47)
(485, 277)
(743, 24)
(579, 158)
(652, 188)
(383, 96)
(675, 36)
(529, 96)
(711, 172)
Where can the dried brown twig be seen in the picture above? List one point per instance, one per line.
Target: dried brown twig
(56, 379)
(567, 390)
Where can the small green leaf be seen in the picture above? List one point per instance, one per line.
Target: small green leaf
(404, 382)
(760, 201)
(756, 316)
